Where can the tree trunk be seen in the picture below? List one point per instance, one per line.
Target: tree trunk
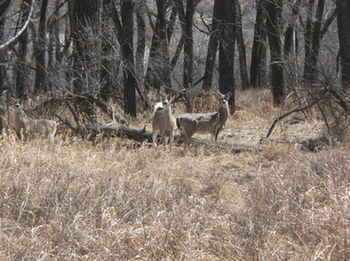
(309, 28)
(106, 51)
(274, 15)
(129, 78)
(241, 46)
(40, 50)
(22, 79)
(158, 70)
(311, 56)
(188, 45)
(258, 57)
(3, 58)
(125, 31)
(343, 8)
(212, 48)
(186, 20)
(141, 39)
(290, 31)
(227, 51)
(84, 24)
(4, 7)
(171, 23)
(290, 44)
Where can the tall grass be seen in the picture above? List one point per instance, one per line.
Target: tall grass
(113, 201)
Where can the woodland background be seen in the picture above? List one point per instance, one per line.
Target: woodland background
(276, 184)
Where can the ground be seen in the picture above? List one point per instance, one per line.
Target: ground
(239, 199)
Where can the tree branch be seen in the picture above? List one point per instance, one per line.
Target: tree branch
(24, 27)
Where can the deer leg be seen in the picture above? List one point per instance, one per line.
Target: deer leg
(166, 140)
(216, 135)
(154, 139)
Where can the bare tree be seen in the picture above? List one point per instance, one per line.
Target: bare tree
(212, 48)
(125, 33)
(4, 7)
(141, 39)
(84, 24)
(222, 37)
(186, 20)
(227, 51)
(312, 42)
(289, 40)
(343, 9)
(41, 50)
(273, 24)
(258, 55)
(106, 51)
(241, 46)
(3, 58)
(22, 74)
(158, 70)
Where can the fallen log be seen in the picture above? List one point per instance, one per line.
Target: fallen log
(143, 135)
(121, 131)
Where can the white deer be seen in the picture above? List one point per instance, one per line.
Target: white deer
(163, 122)
(203, 123)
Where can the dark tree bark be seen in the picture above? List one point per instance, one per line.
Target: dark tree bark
(186, 20)
(22, 79)
(343, 9)
(212, 49)
(4, 7)
(129, 77)
(51, 28)
(273, 24)
(311, 56)
(41, 51)
(171, 22)
(177, 53)
(309, 27)
(328, 22)
(241, 46)
(106, 51)
(158, 70)
(3, 58)
(258, 57)
(188, 45)
(290, 31)
(84, 17)
(125, 31)
(141, 39)
(58, 52)
(223, 32)
(84, 21)
(227, 51)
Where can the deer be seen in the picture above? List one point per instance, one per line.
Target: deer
(190, 123)
(26, 127)
(163, 121)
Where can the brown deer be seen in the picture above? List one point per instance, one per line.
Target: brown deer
(213, 123)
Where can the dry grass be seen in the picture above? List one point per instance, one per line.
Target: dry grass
(110, 201)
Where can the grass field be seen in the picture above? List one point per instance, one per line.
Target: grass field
(235, 200)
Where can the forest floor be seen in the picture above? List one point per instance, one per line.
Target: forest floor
(238, 199)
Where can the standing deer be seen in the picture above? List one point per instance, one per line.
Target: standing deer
(163, 122)
(213, 123)
(27, 127)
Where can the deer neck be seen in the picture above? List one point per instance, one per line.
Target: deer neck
(18, 116)
(224, 113)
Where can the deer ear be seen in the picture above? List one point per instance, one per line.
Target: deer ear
(228, 95)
